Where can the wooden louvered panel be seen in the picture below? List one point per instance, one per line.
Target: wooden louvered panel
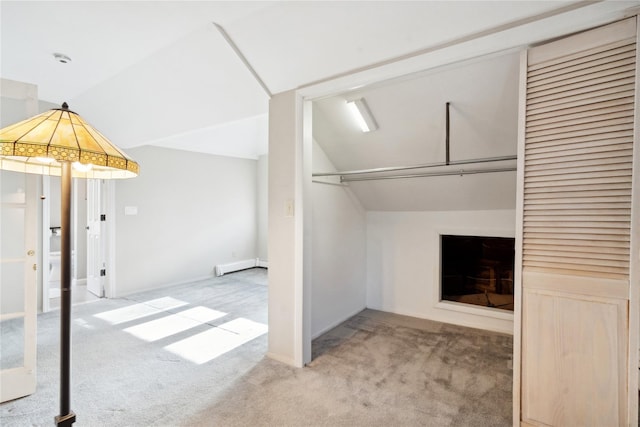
(575, 183)
(578, 252)
(579, 170)
(608, 51)
(552, 180)
(580, 112)
(541, 195)
(581, 160)
(598, 71)
(590, 187)
(581, 90)
(595, 140)
(582, 177)
(588, 148)
(607, 210)
(612, 251)
(578, 162)
(581, 126)
(611, 91)
(605, 129)
(592, 116)
(580, 66)
(591, 228)
(589, 244)
(579, 270)
(578, 218)
(577, 261)
(592, 66)
(585, 103)
(603, 224)
(537, 234)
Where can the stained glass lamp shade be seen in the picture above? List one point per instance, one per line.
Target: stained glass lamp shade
(42, 143)
(60, 142)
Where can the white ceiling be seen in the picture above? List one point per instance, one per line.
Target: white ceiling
(160, 72)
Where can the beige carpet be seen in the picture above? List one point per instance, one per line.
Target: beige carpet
(379, 369)
(375, 369)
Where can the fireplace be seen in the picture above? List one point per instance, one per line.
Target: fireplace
(477, 270)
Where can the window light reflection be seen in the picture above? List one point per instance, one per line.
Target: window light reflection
(208, 345)
(174, 323)
(137, 311)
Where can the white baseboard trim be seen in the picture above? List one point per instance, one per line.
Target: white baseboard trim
(161, 286)
(222, 269)
(438, 317)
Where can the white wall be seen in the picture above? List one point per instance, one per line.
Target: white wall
(403, 261)
(263, 206)
(286, 341)
(194, 211)
(338, 253)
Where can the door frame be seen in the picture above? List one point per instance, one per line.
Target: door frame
(108, 203)
(108, 236)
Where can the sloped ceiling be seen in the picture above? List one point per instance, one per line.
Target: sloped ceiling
(160, 72)
(411, 114)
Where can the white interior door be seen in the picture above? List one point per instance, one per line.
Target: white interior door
(18, 284)
(96, 267)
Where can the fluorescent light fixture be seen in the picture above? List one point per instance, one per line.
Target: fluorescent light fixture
(362, 114)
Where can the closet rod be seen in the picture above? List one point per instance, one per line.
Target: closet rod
(428, 174)
(339, 184)
(424, 166)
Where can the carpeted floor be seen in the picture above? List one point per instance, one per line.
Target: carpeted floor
(197, 359)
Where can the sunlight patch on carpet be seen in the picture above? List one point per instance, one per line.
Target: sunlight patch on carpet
(139, 310)
(208, 345)
(174, 323)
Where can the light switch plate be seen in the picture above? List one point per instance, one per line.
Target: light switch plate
(131, 210)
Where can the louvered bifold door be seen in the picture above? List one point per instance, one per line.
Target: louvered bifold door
(577, 193)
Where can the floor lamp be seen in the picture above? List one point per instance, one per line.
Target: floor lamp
(59, 142)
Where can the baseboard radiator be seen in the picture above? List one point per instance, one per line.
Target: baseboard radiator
(222, 269)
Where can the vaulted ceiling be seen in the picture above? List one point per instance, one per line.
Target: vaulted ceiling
(164, 72)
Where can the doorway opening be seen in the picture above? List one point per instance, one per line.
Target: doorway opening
(88, 242)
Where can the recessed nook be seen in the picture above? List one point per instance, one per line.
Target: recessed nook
(477, 270)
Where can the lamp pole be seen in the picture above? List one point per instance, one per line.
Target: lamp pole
(66, 417)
